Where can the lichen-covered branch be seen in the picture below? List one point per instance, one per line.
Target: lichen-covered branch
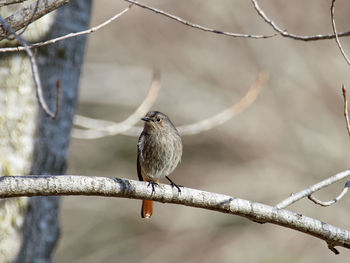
(30, 13)
(12, 186)
(10, 2)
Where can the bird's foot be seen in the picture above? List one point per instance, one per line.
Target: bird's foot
(153, 184)
(174, 185)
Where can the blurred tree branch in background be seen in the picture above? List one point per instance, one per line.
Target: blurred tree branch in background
(101, 128)
(346, 113)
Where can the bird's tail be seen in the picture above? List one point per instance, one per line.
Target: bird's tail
(147, 209)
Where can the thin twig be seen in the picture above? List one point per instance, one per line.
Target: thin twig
(346, 115)
(228, 113)
(313, 188)
(336, 34)
(58, 97)
(52, 41)
(284, 33)
(187, 23)
(336, 199)
(98, 128)
(12, 186)
(35, 70)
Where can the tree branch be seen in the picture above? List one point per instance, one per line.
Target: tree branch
(10, 2)
(228, 113)
(112, 128)
(336, 34)
(313, 188)
(100, 128)
(80, 33)
(346, 115)
(12, 186)
(334, 200)
(284, 33)
(187, 23)
(29, 14)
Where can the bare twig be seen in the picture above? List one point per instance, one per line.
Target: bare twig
(28, 14)
(187, 23)
(98, 128)
(52, 41)
(336, 199)
(311, 189)
(12, 186)
(284, 33)
(58, 98)
(347, 185)
(346, 115)
(336, 34)
(228, 113)
(35, 70)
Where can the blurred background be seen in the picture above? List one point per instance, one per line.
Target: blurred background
(293, 136)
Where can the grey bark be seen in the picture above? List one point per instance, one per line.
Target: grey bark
(101, 186)
(31, 142)
(10, 2)
(61, 61)
(18, 119)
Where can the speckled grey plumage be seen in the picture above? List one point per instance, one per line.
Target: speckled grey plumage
(159, 148)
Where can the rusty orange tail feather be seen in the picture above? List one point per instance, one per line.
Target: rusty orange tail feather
(147, 209)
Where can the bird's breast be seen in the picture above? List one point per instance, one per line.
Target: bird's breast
(160, 155)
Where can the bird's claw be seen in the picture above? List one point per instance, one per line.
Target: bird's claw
(177, 186)
(174, 185)
(153, 184)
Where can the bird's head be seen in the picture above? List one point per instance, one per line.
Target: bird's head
(157, 121)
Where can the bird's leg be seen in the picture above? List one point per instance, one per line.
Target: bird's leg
(173, 184)
(153, 184)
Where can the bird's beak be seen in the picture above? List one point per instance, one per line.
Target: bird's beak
(145, 119)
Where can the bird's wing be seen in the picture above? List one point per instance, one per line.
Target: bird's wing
(139, 166)
(138, 158)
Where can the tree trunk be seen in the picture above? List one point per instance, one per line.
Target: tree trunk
(30, 141)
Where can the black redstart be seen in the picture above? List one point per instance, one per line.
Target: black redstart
(159, 151)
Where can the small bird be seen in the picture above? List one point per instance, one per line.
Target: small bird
(159, 151)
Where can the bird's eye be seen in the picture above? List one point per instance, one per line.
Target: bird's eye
(158, 119)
